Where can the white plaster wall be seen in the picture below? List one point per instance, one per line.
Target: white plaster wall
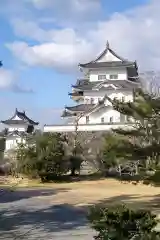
(95, 117)
(111, 113)
(20, 128)
(16, 118)
(122, 73)
(11, 142)
(99, 95)
(94, 127)
(109, 57)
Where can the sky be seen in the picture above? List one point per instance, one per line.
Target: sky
(43, 41)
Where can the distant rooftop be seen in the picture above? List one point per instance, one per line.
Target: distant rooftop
(19, 118)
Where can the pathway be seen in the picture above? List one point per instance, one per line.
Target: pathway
(27, 215)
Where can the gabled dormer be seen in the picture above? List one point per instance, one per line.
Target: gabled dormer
(109, 65)
(108, 58)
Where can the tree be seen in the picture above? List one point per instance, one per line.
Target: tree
(42, 156)
(115, 151)
(144, 135)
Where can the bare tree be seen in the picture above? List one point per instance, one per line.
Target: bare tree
(150, 82)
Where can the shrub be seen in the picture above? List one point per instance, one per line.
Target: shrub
(43, 158)
(122, 223)
(155, 178)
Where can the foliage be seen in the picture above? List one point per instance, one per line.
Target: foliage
(42, 156)
(83, 146)
(122, 223)
(155, 178)
(115, 150)
(144, 136)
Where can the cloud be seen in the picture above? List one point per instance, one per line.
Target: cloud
(8, 82)
(133, 34)
(62, 57)
(63, 12)
(31, 30)
(6, 78)
(20, 89)
(72, 9)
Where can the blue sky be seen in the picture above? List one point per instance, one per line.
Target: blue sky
(42, 42)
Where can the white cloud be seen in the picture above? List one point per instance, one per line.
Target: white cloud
(133, 34)
(32, 30)
(8, 82)
(6, 78)
(61, 56)
(77, 6)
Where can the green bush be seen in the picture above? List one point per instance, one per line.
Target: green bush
(155, 178)
(44, 157)
(122, 223)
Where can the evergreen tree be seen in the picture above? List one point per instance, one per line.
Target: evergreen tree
(42, 156)
(144, 133)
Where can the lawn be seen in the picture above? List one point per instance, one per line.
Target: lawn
(108, 191)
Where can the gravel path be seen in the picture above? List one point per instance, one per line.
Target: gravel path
(29, 214)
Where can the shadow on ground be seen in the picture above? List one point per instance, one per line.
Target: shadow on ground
(7, 196)
(134, 201)
(46, 217)
(54, 218)
(79, 178)
(22, 211)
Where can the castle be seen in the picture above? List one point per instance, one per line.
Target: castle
(109, 74)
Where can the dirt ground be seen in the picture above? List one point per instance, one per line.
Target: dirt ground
(108, 191)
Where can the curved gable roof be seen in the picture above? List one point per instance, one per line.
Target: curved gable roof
(102, 54)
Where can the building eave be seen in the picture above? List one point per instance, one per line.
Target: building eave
(76, 94)
(121, 84)
(113, 64)
(80, 108)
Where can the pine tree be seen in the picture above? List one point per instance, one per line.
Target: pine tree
(144, 135)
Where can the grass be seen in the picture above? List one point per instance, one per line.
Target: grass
(108, 191)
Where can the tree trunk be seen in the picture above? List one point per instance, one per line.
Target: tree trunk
(73, 171)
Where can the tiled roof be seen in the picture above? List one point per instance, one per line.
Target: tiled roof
(80, 108)
(125, 84)
(107, 64)
(76, 94)
(95, 63)
(67, 114)
(23, 119)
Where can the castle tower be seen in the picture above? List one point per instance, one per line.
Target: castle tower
(17, 128)
(108, 74)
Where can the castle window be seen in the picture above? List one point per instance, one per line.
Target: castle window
(113, 76)
(111, 119)
(92, 100)
(87, 119)
(123, 99)
(102, 120)
(86, 100)
(128, 118)
(101, 77)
